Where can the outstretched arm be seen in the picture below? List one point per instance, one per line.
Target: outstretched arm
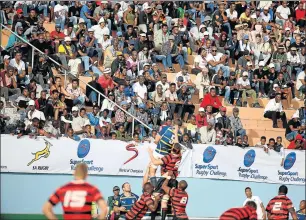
(146, 176)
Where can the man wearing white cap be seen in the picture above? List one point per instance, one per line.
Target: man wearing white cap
(145, 18)
(244, 85)
(33, 113)
(266, 17)
(65, 51)
(100, 29)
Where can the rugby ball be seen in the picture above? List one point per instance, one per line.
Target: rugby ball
(83, 148)
(289, 160)
(249, 158)
(209, 154)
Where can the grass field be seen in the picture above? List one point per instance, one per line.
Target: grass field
(24, 217)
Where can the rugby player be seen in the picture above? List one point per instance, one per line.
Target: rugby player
(170, 162)
(164, 140)
(280, 206)
(261, 212)
(179, 198)
(246, 212)
(145, 202)
(76, 197)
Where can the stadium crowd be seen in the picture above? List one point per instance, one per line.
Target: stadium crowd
(128, 51)
(245, 49)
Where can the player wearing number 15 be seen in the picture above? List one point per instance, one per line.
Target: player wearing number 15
(179, 197)
(280, 206)
(76, 197)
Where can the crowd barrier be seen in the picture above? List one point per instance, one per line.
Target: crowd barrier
(109, 157)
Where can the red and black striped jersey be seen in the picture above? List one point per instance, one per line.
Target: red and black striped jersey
(76, 198)
(140, 208)
(179, 200)
(171, 162)
(239, 214)
(279, 206)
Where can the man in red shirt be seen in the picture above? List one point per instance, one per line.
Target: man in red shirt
(300, 15)
(145, 202)
(179, 198)
(280, 206)
(211, 99)
(298, 143)
(76, 197)
(57, 34)
(106, 81)
(246, 212)
(201, 118)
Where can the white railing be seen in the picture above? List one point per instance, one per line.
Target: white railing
(67, 72)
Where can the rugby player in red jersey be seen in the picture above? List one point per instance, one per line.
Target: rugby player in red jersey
(145, 202)
(76, 197)
(170, 162)
(246, 212)
(179, 197)
(280, 206)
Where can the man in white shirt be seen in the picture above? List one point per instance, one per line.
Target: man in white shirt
(217, 61)
(200, 62)
(171, 98)
(266, 17)
(140, 90)
(20, 66)
(300, 82)
(282, 13)
(232, 14)
(244, 85)
(274, 111)
(79, 121)
(164, 84)
(100, 29)
(34, 113)
(60, 14)
(294, 60)
(261, 212)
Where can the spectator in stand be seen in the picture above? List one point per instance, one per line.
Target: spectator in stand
(231, 88)
(211, 99)
(274, 111)
(202, 83)
(33, 113)
(218, 81)
(293, 127)
(217, 60)
(301, 82)
(208, 133)
(70, 134)
(172, 99)
(201, 118)
(200, 63)
(76, 93)
(106, 81)
(236, 124)
(8, 85)
(225, 122)
(262, 143)
(244, 86)
(298, 143)
(192, 130)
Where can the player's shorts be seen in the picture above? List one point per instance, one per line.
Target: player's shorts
(156, 156)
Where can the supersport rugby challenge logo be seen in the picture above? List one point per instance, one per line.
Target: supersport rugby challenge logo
(248, 172)
(208, 169)
(82, 151)
(290, 176)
